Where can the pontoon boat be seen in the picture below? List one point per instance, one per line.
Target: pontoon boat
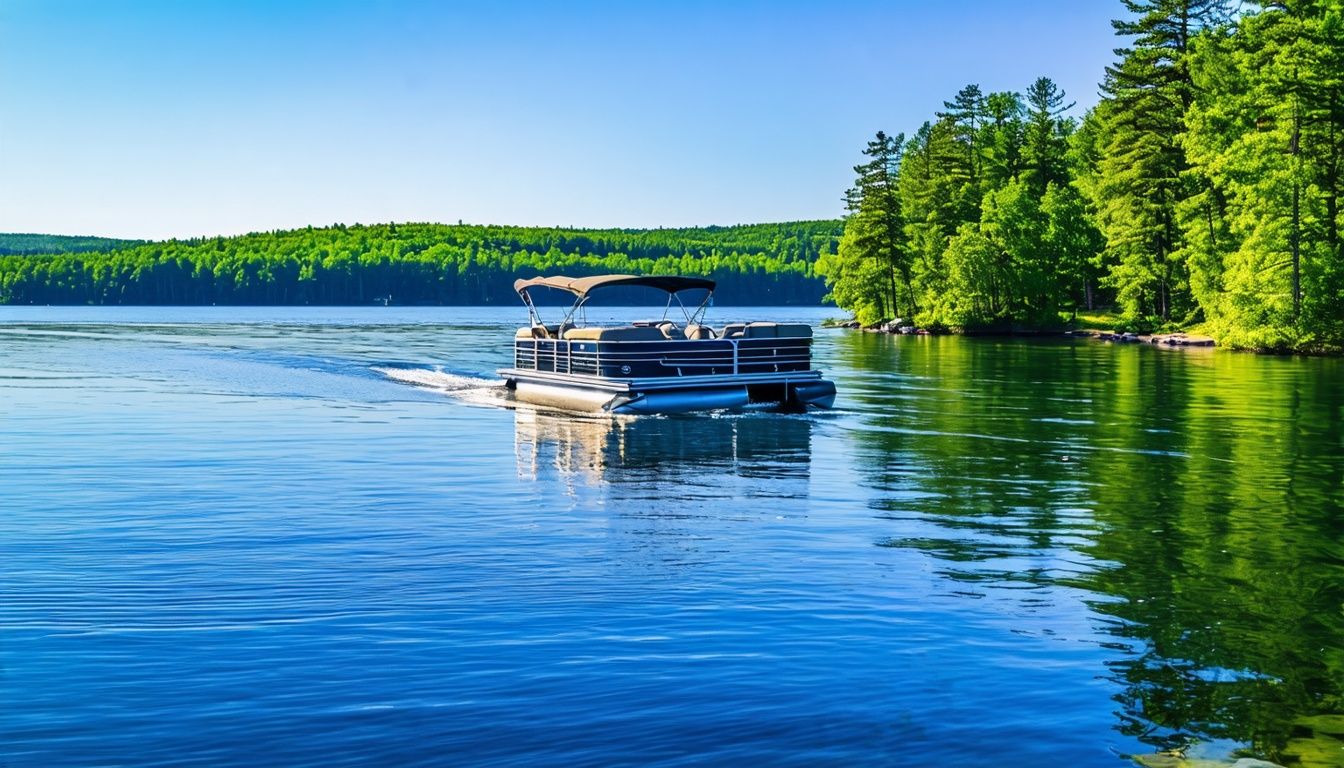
(660, 366)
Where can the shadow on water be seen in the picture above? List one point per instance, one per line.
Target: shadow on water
(1190, 503)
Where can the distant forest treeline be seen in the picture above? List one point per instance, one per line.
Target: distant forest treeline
(38, 244)
(411, 263)
(1205, 187)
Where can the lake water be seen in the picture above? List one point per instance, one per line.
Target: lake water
(322, 537)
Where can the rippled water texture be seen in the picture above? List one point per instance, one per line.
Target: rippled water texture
(321, 537)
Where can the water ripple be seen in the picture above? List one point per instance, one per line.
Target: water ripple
(238, 536)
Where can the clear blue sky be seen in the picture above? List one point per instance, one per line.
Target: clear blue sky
(202, 117)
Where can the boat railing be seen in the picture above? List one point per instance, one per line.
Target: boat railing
(555, 355)
(631, 358)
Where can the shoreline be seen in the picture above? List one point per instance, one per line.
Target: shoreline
(1170, 340)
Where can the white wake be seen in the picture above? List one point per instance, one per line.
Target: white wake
(472, 388)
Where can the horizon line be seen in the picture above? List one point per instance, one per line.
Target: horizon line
(459, 223)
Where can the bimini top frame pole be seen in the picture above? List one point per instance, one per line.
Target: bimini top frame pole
(531, 309)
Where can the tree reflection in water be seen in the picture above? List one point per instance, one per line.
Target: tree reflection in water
(1191, 501)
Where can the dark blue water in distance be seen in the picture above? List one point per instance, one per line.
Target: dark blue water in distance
(317, 537)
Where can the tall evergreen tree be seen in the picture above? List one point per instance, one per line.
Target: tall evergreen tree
(874, 239)
(927, 204)
(1267, 130)
(960, 154)
(1002, 138)
(1046, 140)
(967, 112)
(883, 217)
(1142, 166)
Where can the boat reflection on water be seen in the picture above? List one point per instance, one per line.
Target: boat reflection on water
(700, 452)
(674, 492)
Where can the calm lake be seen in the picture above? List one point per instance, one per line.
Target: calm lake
(322, 537)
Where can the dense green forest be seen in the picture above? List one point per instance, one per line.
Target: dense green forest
(38, 244)
(420, 264)
(1203, 188)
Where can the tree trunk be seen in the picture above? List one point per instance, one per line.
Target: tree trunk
(1332, 179)
(1297, 252)
(891, 275)
(1213, 233)
(1295, 238)
(910, 291)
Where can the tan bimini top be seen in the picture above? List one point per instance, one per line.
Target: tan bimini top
(582, 286)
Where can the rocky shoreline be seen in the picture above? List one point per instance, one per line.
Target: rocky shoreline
(901, 327)
(1165, 339)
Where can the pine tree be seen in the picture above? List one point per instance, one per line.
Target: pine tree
(967, 112)
(1267, 130)
(1142, 165)
(1002, 139)
(874, 241)
(1047, 132)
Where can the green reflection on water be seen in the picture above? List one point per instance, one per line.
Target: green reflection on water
(1191, 499)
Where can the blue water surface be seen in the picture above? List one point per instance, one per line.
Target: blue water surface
(307, 536)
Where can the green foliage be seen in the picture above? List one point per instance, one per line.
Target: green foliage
(1019, 264)
(856, 281)
(1205, 186)
(873, 251)
(1268, 133)
(1073, 245)
(1046, 135)
(975, 277)
(420, 264)
(1141, 171)
(990, 236)
(17, 243)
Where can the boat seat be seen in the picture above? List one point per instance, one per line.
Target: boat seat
(698, 332)
(622, 333)
(793, 331)
(733, 330)
(543, 331)
(778, 330)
